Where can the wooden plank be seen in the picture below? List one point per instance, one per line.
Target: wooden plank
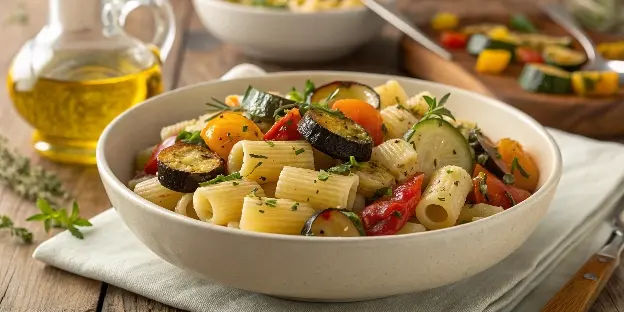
(25, 284)
(117, 299)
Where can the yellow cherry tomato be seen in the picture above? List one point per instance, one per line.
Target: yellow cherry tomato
(222, 132)
(525, 171)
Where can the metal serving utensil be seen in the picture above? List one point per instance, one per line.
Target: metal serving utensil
(395, 18)
(562, 16)
(581, 291)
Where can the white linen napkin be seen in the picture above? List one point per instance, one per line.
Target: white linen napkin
(574, 228)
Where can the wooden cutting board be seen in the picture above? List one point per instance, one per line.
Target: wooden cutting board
(594, 117)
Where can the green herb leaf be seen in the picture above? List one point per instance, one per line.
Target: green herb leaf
(509, 179)
(23, 233)
(294, 207)
(346, 167)
(511, 199)
(382, 192)
(482, 159)
(255, 167)
(308, 89)
(258, 156)
(397, 214)
(516, 165)
(323, 175)
(271, 144)
(61, 218)
(271, 202)
(299, 151)
(221, 178)
(483, 189)
(245, 127)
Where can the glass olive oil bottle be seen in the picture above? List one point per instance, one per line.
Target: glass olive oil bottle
(81, 71)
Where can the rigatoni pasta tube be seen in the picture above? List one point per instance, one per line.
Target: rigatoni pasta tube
(223, 202)
(398, 120)
(154, 192)
(272, 215)
(444, 197)
(471, 211)
(398, 156)
(262, 161)
(319, 189)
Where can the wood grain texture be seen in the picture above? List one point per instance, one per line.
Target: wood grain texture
(579, 294)
(595, 117)
(118, 300)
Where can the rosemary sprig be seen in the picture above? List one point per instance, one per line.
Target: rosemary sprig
(218, 107)
(23, 233)
(60, 217)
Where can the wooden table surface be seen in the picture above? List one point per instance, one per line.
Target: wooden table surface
(28, 285)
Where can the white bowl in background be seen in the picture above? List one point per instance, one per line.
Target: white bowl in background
(315, 268)
(285, 36)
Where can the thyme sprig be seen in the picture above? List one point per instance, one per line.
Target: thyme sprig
(61, 218)
(22, 233)
(437, 109)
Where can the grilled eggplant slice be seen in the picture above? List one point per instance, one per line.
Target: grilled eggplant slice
(335, 135)
(486, 154)
(262, 105)
(334, 222)
(183, 166)
(345, 90)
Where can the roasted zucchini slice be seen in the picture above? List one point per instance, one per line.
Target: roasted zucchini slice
(335, 135)
(595, 83)
(479, 42)
(345, 90)
(545, 79)
(334, 222)
(183, 166)
(564, 58)
(480, 28)
(540, 41)
(262, 105)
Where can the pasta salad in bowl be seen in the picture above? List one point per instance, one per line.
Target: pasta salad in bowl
(333, 163)
(267, 183)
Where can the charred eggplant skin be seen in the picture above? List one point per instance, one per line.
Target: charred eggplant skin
(483, 147)
(336, 135)
(352, 90)
(182, 167)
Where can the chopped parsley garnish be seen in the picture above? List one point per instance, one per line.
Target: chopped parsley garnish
(346, 167)
(384, 129)
(435, 162)
(261, 211)
(253, 194)
(271, 144)
(294, 207)
(449, 171)
(397, 214)
(221, 178)
(515, 165)
(258, 156)
(299, 151)
(245, 128)
(482, 159)
(382, 192)
(235, 183)
(191, 138)
(256, 166)
(456, 183)
(483, 189)
(271, 202)
(441, 199)
(511, 199)
(509, 179)
(323, 175)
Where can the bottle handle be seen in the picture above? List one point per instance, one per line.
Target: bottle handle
(164, 20)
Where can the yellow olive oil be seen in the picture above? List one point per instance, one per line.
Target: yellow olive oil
(74, 97)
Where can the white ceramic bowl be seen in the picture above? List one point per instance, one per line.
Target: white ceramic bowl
(314, 268)
(284, 36)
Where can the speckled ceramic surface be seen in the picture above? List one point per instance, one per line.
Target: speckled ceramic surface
(281, 35)
(323, 269)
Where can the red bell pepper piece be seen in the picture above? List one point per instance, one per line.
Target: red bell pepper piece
(454, 40)
(489, 189)
(152, 165)
(388, 216)
(528, 55)
(285, 129)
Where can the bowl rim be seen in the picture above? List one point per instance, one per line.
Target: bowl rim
(222, 4)
(108, 177)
